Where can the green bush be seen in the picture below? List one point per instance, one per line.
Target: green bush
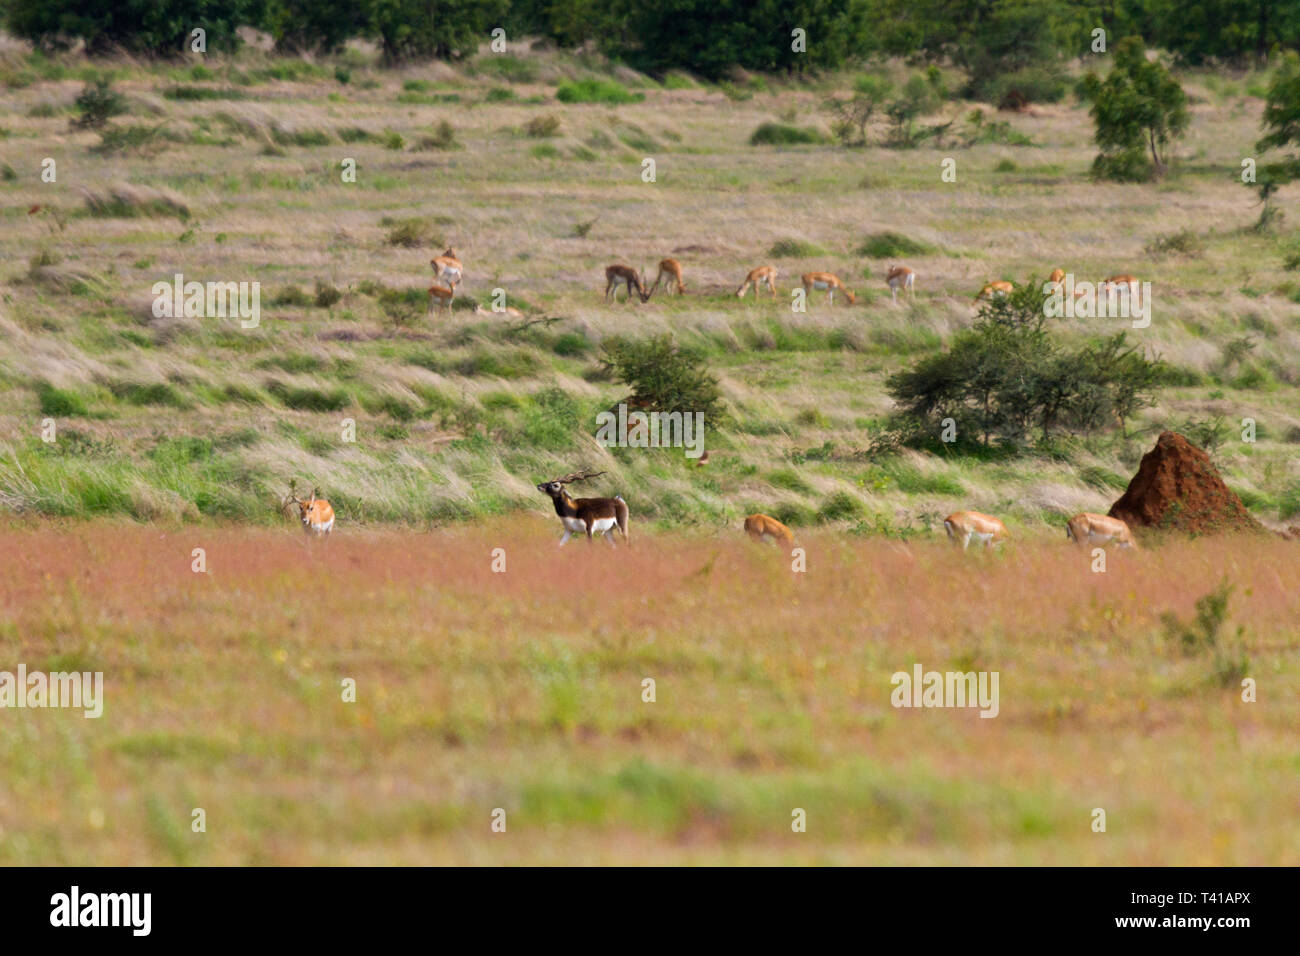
(542, 126)
(893, 245)
(97, 103)
(794, 249)
(779, 134)
(596, 91)
(59, 402)
(664, 376)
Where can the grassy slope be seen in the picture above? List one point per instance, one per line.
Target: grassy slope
(447, 423)
(478, 690)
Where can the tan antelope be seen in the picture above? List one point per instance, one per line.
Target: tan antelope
(1121, 283)
(448, 267)
(673, 270)
(316, 514)
(998, 289)
(761, 527)
(1089, 528)
(441, 294)
(760, 276)
(507, 310)
(616, 274)
(824, 280)
(967, 526)
(592, 516)
(901, 277)
(1057, 279)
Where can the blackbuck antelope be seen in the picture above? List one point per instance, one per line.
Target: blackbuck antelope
(901, 277)
(999, 289)
(616, 274)
(590, 515)
(763, 528)
(1089, 528)
(447, 266)
(966, 526)
(441, 294)
(824, 280)
(316, 514)
(670, 271)
(760, 276)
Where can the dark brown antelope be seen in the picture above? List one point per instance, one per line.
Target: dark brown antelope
(616, 274)
(593, 516)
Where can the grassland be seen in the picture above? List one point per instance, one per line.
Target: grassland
(522, 690)
(458, 416)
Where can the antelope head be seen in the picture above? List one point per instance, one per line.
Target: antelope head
(555, 487)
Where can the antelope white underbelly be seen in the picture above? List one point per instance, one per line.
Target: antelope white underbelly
(599, 526)
(819, 284)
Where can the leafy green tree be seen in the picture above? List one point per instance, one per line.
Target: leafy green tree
(854, 114)
(156, 27)
(663, 375)
(1139, 107)
(1239, 32)
(1282, 125)
(418, 29)
(1009, 375)
(713, 37)
(318, 26)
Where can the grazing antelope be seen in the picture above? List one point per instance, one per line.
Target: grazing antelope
(508, 310)
(317, 515)
(618, 273)
(824, 280)
(1124, 282)
(1000, 288)
(965, 526)
(901, 276)
(591, 515)
(760, 276)
(442, 294)
(1099, 529)
(1056, 279)
(763, 528)
(447, 266)
(673, 270)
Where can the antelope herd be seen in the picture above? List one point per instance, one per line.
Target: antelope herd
(448, 272)
(600, 517)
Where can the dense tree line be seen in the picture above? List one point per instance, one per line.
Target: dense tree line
(992, 39)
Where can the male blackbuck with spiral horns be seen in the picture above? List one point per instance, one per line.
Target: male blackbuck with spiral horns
(316, 514)
(592, 516)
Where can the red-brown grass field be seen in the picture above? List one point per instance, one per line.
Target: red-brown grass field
(522, 690)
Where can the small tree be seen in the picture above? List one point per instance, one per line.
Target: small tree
(664, 376)
(853, 115)
(97, 103)
(1139, 107)
(1282, 124)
